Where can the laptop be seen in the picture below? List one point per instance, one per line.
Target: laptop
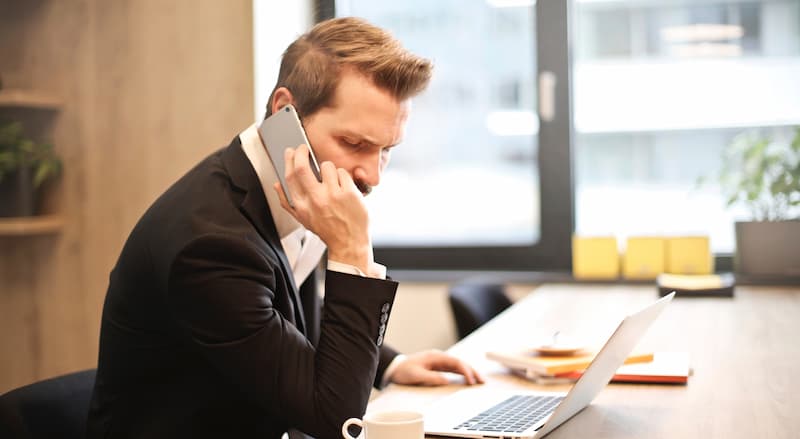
(508, 413)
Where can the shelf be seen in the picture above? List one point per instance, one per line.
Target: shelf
(32, 225)
(20, 98)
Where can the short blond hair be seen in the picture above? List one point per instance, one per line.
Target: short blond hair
(311, 65)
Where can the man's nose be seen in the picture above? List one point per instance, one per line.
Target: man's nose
(369, 170)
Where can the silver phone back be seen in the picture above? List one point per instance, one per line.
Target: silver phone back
(280, 131)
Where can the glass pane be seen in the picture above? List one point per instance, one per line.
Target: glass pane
(660, 88)
(466, 173)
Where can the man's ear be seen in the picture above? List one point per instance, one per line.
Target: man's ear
(281, 98)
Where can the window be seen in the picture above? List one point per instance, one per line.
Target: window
(660, 89)
(466, 174)
(464, 189)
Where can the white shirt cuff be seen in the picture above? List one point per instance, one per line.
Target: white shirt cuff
(378, 270)
(387, 374)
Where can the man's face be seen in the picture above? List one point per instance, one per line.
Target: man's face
(358, 130)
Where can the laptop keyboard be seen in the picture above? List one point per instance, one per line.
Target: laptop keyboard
(514, 415)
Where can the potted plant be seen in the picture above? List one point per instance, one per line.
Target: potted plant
(25, 165)
(763, 175)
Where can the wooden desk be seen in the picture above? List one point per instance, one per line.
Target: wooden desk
(744, 353)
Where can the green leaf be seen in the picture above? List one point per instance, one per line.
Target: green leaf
(761, 174)
(16, 151)
(10, 134)
(43, 171)
(7, 159)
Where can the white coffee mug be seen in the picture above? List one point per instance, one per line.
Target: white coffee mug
(388, 425)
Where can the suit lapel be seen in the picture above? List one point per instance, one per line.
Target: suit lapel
(254, 206)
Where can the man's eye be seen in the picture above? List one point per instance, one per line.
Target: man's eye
(351, 143)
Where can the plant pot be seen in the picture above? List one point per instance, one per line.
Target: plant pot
(768, 249)
(17, 195)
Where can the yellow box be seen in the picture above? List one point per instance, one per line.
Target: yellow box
(689, 255)
(595, 257)
(644, 257)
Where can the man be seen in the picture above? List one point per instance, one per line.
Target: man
(212, 325)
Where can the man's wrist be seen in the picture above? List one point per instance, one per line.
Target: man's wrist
(390, 369)
(359, 258)
(377, 271)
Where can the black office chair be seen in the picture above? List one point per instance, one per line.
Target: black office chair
(475, 303)
(53, 408)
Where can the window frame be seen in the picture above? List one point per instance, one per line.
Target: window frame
(553, 251)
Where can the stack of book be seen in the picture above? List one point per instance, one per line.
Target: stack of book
(659, 367)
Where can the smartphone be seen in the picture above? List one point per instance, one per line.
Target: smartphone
(282, 130)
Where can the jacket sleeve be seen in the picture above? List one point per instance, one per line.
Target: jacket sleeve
(223, 292)
(387, 354)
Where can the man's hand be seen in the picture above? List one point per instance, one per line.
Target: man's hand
(422, 368)
(333, 209)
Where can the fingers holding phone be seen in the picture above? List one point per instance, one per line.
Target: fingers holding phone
(329, 205)
(298, 174)
(333, 209)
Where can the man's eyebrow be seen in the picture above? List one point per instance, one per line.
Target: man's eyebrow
(363, 139)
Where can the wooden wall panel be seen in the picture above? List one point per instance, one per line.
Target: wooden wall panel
(176, 80)
(41, 298)
(149, 88)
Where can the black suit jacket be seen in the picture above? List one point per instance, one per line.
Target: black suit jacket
(204, 333)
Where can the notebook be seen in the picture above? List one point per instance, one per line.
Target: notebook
(508, 413)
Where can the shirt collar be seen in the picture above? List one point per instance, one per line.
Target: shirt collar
(262, 164)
